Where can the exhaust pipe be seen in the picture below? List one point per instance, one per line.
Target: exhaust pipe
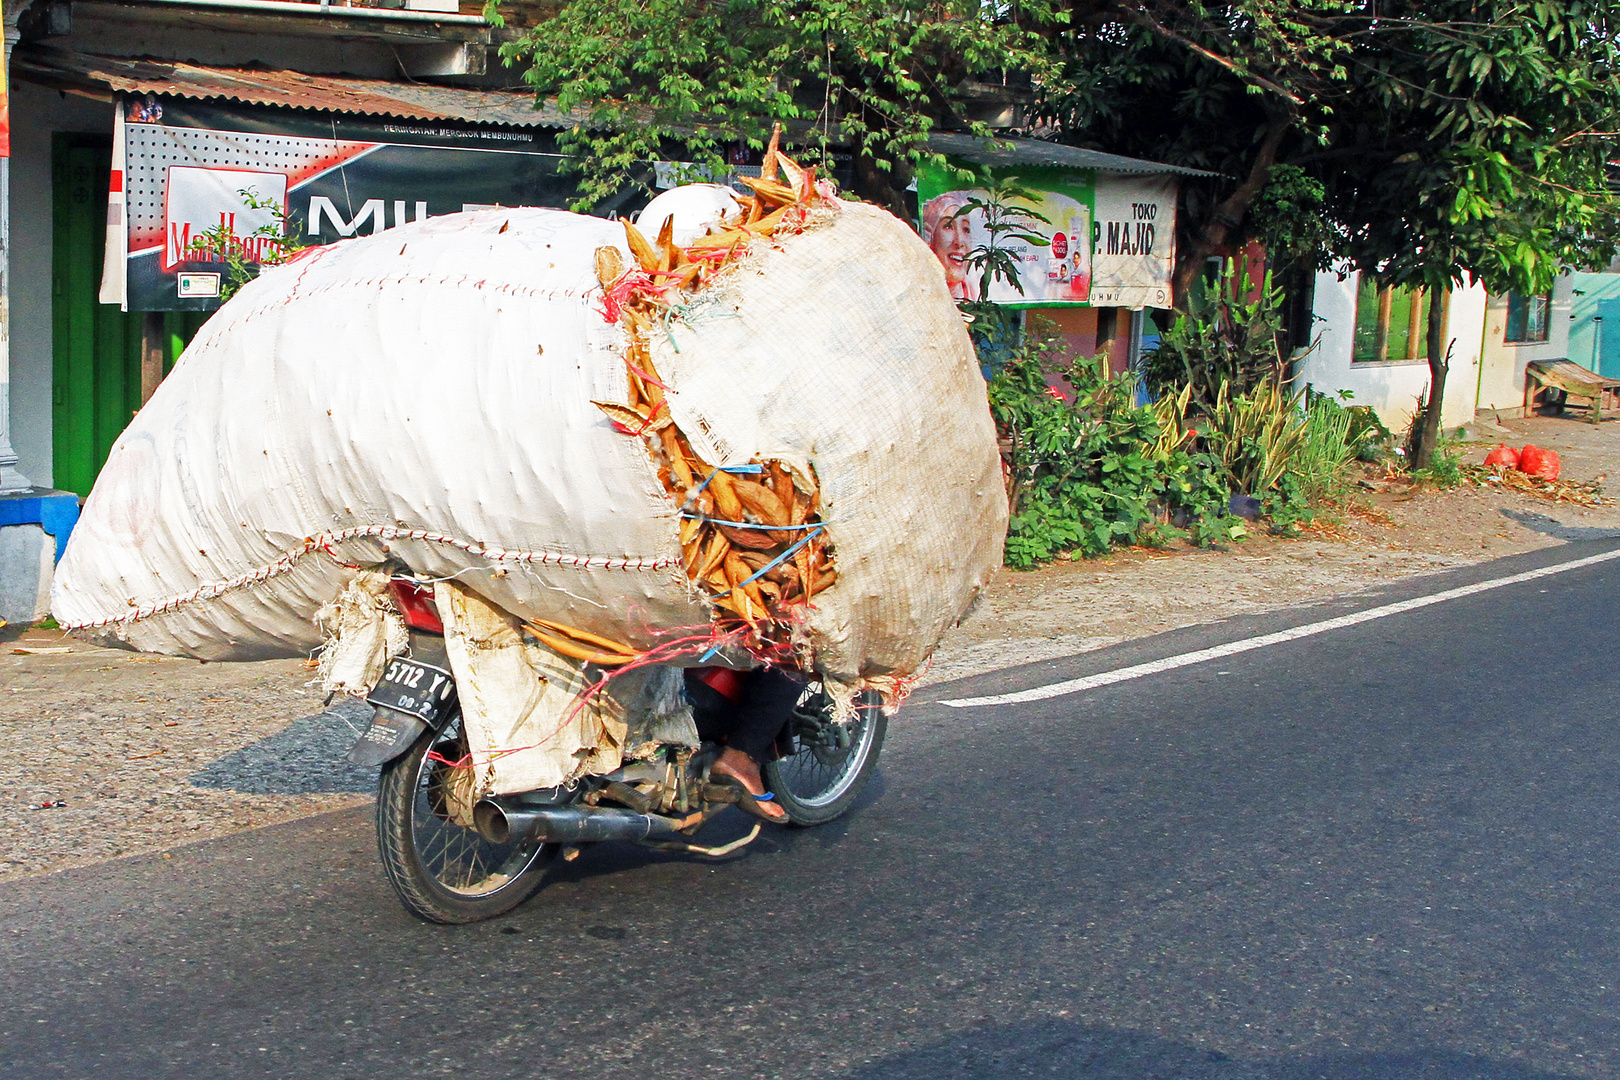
(565, 824)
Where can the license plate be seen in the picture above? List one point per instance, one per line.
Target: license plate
(417, 689)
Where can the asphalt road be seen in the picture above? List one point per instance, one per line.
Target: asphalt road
(1384, 851)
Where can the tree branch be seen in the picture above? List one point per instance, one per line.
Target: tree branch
(1229, 214)
(1143, 19)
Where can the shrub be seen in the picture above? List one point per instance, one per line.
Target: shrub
(1257, 435)
(1223, 340)
(1444, 469)
(1100, 470)
(1334, 436)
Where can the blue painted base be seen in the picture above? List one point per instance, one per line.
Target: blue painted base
(54, 511)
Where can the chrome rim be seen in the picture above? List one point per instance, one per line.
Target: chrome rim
(457, 859)
(824, 763)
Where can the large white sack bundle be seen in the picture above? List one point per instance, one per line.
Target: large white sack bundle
(424, 395)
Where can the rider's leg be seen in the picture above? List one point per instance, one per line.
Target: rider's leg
(768, 699)
(767, 703)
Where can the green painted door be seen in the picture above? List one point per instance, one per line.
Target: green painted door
(96, 376)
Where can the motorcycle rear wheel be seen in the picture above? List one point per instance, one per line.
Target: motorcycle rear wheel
(443, 871)
(829, 764)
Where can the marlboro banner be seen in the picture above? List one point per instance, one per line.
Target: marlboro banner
(195, 188)
(1073, 238)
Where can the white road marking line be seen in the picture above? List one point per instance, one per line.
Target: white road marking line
(1137, 671)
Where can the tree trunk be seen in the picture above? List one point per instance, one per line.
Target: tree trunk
(1229, 214)
(1439, 364)
(882, 186)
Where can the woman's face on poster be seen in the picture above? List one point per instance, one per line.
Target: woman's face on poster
(951, 243)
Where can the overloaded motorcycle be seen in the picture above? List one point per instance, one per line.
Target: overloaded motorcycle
(453, 857)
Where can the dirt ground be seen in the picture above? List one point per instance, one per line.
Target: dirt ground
(148, 752)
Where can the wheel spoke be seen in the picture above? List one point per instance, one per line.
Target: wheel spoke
(458, 858)
(818, 772)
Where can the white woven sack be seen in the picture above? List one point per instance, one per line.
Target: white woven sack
(842, 348)
(424, 395)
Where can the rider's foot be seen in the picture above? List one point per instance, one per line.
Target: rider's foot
(740, 767)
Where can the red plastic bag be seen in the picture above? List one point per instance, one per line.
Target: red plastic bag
(1503, 455)
(1538, 462)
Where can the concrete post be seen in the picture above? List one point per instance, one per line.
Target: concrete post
(10, 478)
(35, 523)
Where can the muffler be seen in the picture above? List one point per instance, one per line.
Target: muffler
(565, 824)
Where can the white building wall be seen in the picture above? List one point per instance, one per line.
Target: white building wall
(36, 115)
(1393, 389)
(1501, 378)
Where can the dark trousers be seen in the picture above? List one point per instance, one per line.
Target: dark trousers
(752, 724)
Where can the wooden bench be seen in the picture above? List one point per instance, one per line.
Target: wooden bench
(1556, 381)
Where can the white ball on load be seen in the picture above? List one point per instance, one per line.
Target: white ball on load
(696, 209)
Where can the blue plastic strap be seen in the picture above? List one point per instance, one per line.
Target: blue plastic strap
(768, 567)
(750, 524)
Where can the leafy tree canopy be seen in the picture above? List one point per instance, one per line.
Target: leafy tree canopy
(1423, 141)
(875, 76)
(1428, 140)
(1482, 148)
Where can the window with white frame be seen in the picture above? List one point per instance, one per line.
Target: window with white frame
(1527, 318)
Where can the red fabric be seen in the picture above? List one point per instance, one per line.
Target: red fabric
(417, 606)
(1538, 462)
(727, 682)
(1503, 455)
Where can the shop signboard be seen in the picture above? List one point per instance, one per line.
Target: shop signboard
(1074, 238)
(1134, 241)
(195, 185)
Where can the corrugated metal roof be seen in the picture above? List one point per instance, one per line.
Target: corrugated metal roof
(295, 90)
(1011, 153)
(420, 101)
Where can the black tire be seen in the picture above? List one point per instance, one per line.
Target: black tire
(819, 779)
(444, 872)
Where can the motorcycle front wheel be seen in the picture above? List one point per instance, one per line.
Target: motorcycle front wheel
(827, 764)
(443, 869)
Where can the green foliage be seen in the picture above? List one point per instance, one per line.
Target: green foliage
(875, 76)
(1478, 147)
(1289, 220)
(1370, 440)
(273, 240)
(1436, 138)
(996, 332)
(1291, 451)
(1331, 440)
(1257, 435)
(1002, 219)
(1222, 340)
(1445, 468)
(1101, 470)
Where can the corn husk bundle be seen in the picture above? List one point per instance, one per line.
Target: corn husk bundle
(751, 537)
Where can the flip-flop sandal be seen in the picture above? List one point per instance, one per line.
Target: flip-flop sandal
(747, 801)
